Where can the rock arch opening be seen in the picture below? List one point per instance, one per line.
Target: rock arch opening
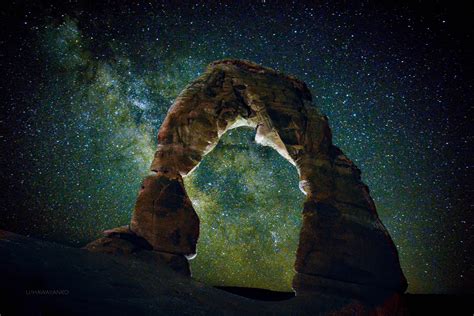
(343, 247)
(248, 203)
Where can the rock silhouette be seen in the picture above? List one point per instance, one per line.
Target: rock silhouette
(122, 241)
(343, 248)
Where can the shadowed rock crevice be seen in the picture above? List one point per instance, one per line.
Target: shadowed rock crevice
(343, 246)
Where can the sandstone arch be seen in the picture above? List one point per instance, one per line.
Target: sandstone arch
(343, 246)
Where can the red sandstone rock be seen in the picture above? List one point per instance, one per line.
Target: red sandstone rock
(164, 216)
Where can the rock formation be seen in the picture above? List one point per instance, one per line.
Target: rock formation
(165, 217)
(122, 241)
(344, 248)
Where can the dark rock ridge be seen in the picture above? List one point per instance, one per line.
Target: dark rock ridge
(344, 249)
(122, 241)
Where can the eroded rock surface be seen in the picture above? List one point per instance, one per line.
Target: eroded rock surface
(164, 215)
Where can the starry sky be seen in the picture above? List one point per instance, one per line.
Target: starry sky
(86, 87)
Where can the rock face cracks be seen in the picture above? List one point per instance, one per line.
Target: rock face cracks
(343, 247)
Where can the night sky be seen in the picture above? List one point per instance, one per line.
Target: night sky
(85, 88)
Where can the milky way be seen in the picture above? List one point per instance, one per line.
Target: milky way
(90, 87)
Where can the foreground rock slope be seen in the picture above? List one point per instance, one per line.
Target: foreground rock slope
(45, 278)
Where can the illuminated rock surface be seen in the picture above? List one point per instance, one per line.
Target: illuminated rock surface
(165, 217)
